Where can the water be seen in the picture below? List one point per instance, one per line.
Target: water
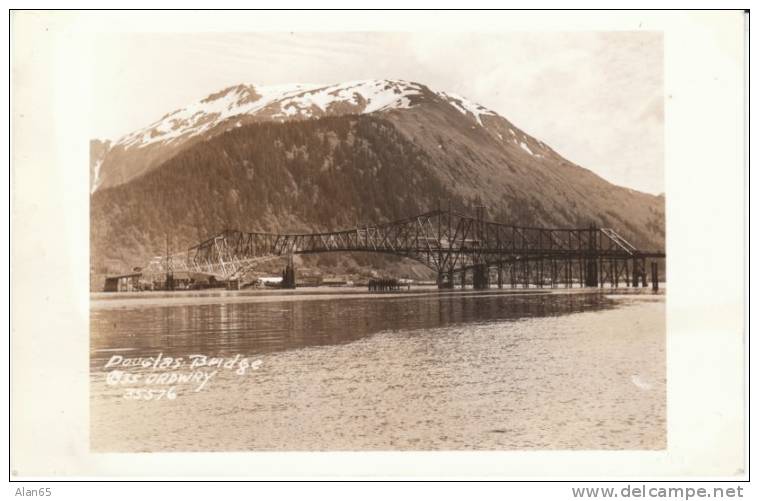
(431, 371)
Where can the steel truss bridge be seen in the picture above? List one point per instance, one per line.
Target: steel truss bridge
(449, 243)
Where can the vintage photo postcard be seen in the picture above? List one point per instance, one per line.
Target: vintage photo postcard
(371, 234)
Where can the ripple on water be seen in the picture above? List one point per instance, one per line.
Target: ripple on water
(426, 373)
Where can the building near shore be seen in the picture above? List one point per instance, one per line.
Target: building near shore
(123, 283)
(139, 281)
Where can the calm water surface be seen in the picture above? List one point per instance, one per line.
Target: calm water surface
(431, 371)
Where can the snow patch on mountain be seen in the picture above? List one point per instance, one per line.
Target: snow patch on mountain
(465, 106)
(96, 177)
(374, 95)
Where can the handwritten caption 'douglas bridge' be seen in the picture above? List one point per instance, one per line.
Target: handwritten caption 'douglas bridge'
(164, 378)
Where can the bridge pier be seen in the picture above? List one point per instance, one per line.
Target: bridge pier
(654, 276)
(644, 275)
(481, 277)
(635, 273)
(444, 280)
(554, 274)
(591, 273)
(169, 281)
(639, 272)
(288, 275)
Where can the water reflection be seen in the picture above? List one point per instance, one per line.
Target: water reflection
(261, 327)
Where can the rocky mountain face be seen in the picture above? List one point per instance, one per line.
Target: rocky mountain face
(311, 157)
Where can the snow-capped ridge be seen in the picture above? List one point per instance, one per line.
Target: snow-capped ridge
(291, 101)
(209, 112)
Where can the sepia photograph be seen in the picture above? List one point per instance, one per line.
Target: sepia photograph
(439, 262)
(440, 244)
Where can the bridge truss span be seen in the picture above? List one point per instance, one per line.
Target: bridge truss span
(448, 243)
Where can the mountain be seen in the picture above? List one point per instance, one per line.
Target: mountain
(314, 157)
(144, 149)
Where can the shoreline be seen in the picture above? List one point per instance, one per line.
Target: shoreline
(147, 299)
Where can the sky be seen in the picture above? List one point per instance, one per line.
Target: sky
(597, 98)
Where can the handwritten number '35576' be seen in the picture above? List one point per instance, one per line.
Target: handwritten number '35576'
(144, 394)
